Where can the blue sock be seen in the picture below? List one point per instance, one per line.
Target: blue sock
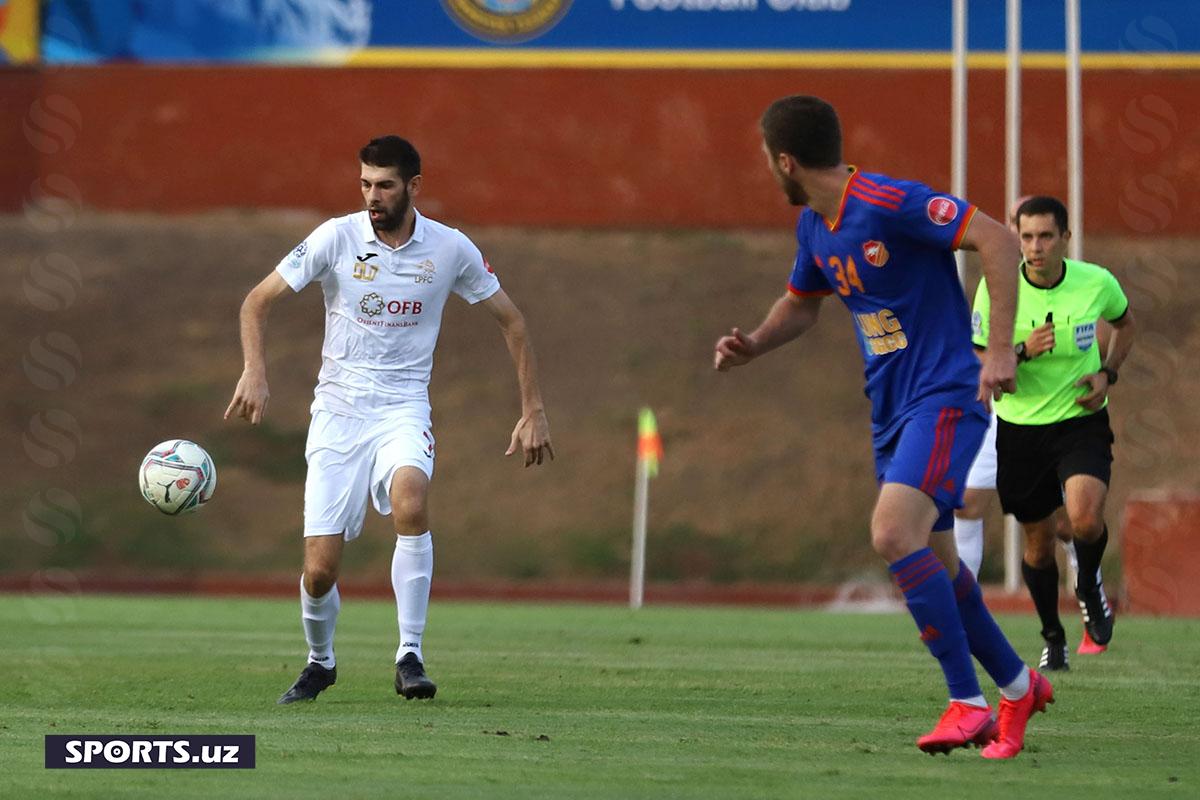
(986, 640)
(930, 600)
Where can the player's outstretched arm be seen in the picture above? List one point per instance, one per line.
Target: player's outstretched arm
(790, 316)
(532, 433)
(1000, 253)
(250, 397)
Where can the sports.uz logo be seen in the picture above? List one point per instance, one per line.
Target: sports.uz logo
(1085, 334)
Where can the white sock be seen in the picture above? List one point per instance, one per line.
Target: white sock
(1019, 687)
(979, 701)
(319, 615)
(968, 536)
(412, 570)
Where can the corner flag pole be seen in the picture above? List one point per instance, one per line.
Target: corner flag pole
(649, 451)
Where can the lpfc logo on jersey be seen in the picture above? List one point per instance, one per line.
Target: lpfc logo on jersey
(427, 271)
(882, 331)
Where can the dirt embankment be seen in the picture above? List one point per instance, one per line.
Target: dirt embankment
(122, 332)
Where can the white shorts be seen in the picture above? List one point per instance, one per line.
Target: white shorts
(351, 459)
(983, 468)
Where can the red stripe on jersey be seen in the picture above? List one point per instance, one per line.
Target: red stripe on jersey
(817, 293)
(879, 192)
(893, 206)
(893, 190)
(962, 229)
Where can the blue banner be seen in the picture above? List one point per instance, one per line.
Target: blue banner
(1107, 25)
(325, 31)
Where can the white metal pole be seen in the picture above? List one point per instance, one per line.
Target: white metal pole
(1012, 554)
(1074, 132)
(1012, 118)
(1012, 190)
(637, 566)
(958, 116)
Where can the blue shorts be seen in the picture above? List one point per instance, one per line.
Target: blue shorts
(933, 452)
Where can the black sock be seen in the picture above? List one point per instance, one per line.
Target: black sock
(1088, 554)
(1043, 588)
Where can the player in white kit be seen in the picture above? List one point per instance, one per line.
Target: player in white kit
(386, 273)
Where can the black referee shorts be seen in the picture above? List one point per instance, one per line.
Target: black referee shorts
(1034, 461)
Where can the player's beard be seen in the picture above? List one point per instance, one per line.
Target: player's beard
(794, 191)
(390, 219)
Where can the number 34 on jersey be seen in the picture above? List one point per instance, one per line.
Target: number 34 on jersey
(882, 332)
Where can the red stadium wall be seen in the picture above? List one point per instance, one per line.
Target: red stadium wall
(1159, 534)
(571, 147)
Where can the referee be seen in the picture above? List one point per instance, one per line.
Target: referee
(1053, 438)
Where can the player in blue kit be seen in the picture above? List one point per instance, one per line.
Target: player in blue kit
(885, 248)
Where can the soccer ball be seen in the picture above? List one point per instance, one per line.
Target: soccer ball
(177, 476)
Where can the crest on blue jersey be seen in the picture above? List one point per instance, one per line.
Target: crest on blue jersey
(1084, 335)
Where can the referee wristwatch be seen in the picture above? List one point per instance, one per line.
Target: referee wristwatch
(1111, 373)
(1023, 356)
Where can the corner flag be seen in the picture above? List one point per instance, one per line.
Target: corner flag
(650, 448)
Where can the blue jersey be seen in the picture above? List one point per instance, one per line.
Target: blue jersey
(889, 256)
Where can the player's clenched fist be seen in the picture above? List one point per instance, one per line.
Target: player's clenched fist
(1041, 340)
(733, 350)
(997, 374)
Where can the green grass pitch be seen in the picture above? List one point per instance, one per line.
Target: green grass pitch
(574, 701)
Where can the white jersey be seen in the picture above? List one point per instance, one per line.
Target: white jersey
(383, 307)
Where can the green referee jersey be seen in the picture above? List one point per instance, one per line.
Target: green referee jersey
(1046, 390)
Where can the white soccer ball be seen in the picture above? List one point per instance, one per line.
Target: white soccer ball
(177, 476)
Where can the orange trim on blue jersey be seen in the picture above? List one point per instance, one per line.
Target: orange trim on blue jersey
(817, 293)
(833, 226)
(962, 229)
(893, 205)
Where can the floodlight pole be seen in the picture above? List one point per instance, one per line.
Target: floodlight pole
(1012, 117)
(1074, 132)
(1074, 161)
(958, 117)
(1012, 190)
